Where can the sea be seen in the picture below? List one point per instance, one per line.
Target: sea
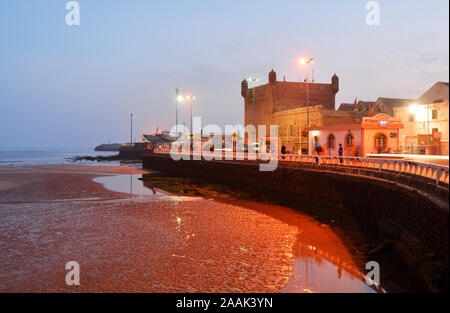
(45, 156)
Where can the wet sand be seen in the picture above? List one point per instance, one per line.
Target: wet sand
(50, 215)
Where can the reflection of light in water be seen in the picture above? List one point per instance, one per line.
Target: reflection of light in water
(314, 267)
(128, 183)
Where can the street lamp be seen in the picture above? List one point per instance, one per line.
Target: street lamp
(253, 80)
(307, 62)
(178, 98)
(131, 133)
(190, 98)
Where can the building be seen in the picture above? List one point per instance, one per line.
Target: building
(426, 121)
(372, 135)
(158, 140)
(291, 124)
(284, 103)
(360, 106)
(276, 96)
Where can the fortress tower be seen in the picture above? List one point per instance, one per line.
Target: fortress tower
(277, 96)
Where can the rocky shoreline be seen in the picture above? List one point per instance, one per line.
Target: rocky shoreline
(98, 158)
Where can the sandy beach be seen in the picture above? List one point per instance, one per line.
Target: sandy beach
(50, 215)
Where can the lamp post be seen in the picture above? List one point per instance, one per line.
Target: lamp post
(253, 80)
(178, 98)
(429, 135)
(191, 98)
(307, 62)
(131, 128)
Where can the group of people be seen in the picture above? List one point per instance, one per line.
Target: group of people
(320, 151)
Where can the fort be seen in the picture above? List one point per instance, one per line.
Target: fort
(286, 104)
(278, 96)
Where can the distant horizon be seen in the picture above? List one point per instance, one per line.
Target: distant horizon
(76, 86)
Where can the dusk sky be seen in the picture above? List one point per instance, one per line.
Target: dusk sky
(76, 86)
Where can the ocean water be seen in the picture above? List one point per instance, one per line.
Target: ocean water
(20, 157)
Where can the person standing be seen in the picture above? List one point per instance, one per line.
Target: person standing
(283, 151)
(341, 152)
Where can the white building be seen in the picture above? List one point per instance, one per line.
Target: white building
(425, 121)
(378, 134)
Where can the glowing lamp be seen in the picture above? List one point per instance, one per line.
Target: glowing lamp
(413, 108)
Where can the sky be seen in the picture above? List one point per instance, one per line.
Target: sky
(76, 86)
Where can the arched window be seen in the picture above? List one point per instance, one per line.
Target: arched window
(349, 140)
(331, 141)
(380, 141)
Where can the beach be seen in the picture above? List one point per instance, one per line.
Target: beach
(53, 214)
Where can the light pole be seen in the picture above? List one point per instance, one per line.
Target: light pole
(131, 128)
(178, 98)
(253, 80)
(429, 135)
(307, 62)
(191, 99)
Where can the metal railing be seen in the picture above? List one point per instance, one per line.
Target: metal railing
(434, 172)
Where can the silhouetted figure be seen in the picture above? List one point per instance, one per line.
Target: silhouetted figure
(379, 149)
(341, 152)
(319, 151)
(283, 151)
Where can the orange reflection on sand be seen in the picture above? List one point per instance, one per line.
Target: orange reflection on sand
(160, 243)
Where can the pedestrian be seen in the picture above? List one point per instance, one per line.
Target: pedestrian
(341, 152)
(283, 151)
(319, 151)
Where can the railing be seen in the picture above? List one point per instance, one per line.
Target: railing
(435, 172)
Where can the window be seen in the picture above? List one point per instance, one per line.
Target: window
(411, 117)
(331, 141)
(434, 114)
(380, 142)
(349, 140)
